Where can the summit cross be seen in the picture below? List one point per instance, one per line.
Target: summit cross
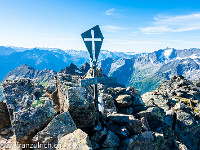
(89, 40)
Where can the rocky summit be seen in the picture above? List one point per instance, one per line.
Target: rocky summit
(62, 114)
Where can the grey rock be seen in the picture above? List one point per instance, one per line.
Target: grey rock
(145, 125)
(97, 137)
(168, 118)
(75, 141)
(28, 112)
(160, 142)
(133, 125)
(113, 148)
(128, 97)
(155, 100)
(144, 141)
(5, 131)
(121, 119)
(154, 116)
(181, 146)
(94, 145)
(151, 112)
(124, 101)
(120, 90)
(77, 100)
(187, 129)
(109, 106)
(51, 86)
(61, 125)
(98, 127)
(185, 119)
(121, 132)
(179, 86)
(128, 111)
(4, 115)
(111, 140)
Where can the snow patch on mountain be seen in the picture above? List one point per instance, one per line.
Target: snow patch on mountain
(194, 56)
(185, 62)
(167, 53)
(151, 60)
(191, 57)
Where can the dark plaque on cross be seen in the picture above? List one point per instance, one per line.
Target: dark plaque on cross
(93, 39)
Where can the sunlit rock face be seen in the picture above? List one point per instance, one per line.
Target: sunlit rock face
(30, 110)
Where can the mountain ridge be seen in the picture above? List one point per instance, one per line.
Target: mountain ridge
(145, 71)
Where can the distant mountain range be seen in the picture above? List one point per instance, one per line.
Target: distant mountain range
(54, 59)
(144, 71)
(147, 71)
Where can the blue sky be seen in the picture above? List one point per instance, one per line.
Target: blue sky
(127, 25)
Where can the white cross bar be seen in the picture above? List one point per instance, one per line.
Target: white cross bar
(93, 40)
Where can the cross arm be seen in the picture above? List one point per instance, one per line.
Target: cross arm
(96, 80)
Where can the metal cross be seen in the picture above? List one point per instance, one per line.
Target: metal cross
(89, 40)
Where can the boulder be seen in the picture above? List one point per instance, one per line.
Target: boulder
(188, 129)
(145, 125)
(55, 101)
(109, 106)
(144, 141)
(136, 98)
(126, 97)
(128, 110)
(111, 140)
(98, 136)
(120, 131)
(75, 141)
(61, 125)
(154, 116)
(160, 142)
(198, 84)
(77, 100)
(180, 87)
(94, 145)
(28, 111)
(155, 100)
(184, 120)
(121, 119)
(124, 101)
(181, 146)
(51, 86)
(4, 115)
(133, 125)
(169, 117)
(151, 112)
(81, 109)
(90, 73)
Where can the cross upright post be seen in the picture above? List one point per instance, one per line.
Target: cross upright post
(96, 95)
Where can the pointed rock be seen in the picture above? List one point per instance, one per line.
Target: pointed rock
(61, 125)
(76, 140)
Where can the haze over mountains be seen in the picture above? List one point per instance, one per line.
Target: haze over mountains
(144, 71)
